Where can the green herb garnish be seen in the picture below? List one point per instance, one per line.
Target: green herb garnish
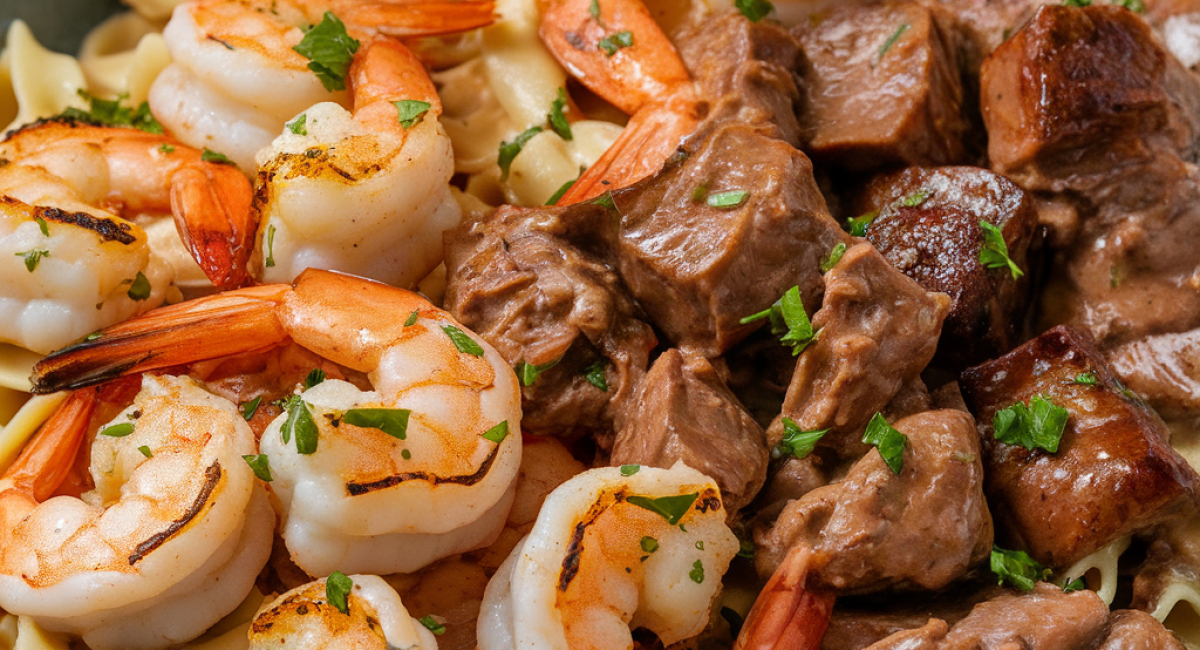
(727, 200)
(42, 226)
(630, 470)
(1085, 379)
(1017, 568)
(788, 321)
(412, 318)
(260, 465)
(299, 125)
(613, 42)
(110, 112)
(145, 449)
(33, 257)
(140, 289)
(208, 155)
(596, 375)
(462, 341)
(754, 10)
(410, 111)
(558, 121)
(432, 625)
(118, 430)
(300, 423)
(835, 256)
(393, 422)
(888, 441)
(509, 150)
(329, 50)
(649, 544)
(270, 246)
(314, 377)
(1074, 585)
(858, 225)
(338, 586)
(166, 148)
(697, 572)
(250, 408)
(498, 433)
(887, 45)
(529, 373)
(994, 253)
(796, 442)
(562, 189)
(671, 508)
(1040, 425)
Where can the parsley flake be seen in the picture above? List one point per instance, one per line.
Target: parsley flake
(299, 125)
(1077, 3)
(300, 423)
(315, 376)
(1085, 379)
(166, 148)
(140, 289)
(118, 430)
(887, 45)
(562, 189)
(1136, 6)
(42, 226)
(498, 433)
(556, 118)
(393, 422)
(405, 454)
(754, 10)
(746, 548)
(145, 449)
(994, 253)
(250, 408)
(594, 9)
(1039, 425)
(432, 625)
(260, 465)
(858, 225)
(835, 256)
(597, 375)
(796, 442)
(788, 321)
(630, 470)
(697, 572)
(671, 508)
(329, 50)
(916, 199)
(412, 318)
(33, 257)
(338, 586)
(1074, 585)
(410, 112)
(649, 544)
(208, 155)
(727, 200)
(463, 341)
(270, 246)
(888, 441)
(509, 150)
(614, 42)
(529, 373)
(110, 112)
(1017, 568)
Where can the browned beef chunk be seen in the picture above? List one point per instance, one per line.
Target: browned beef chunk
(937, 242)
(1129, 629)
(1085, 100)
(882, 87)
(523, 280)
(684, 411)
(879, 330)
(1164, 370)
(856, 625)
(1173, 558)
(1114, 472)
(874, 529)
(1044, 619)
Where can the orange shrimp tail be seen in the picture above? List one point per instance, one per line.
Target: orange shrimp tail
(49, 457)
(787, 615)
(418, 17)
(627, 77)
(211, 205)
(652, 135)
(385, 71)
(241, 321)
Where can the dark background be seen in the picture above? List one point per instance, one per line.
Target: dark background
(58, 24)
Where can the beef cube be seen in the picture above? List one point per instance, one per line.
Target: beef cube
(1129, 629)
(1084, 100)
(882, 87)
(684, 411)
(876, 529)
(1164, 370)
(929, 228)
(698, 266)
(534, 284)
(855, 626)
(1114, 472)
(879, 330)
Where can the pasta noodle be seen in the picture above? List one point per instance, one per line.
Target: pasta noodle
(43, 83)
(1104, 563)
(123, 55)
(158, 10)
(523, 75)
(548, 161)
(23, 425)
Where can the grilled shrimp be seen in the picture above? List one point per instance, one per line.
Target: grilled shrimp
(371, 617)
(610, 553)
(169, 540)
(380, 481)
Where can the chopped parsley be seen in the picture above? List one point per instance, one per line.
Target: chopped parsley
(529, 373)
(1074, 585)
(498, 433)
(594, 9)
(607, 202)
(835, 256)
(432, 625)
(410, 112)
(509, 150)
(405, 454)
(110, 112)
(754, 10)
(260, 465)
(649, 544)
(556, 118)
(118, 430)
(1085, 379)
(916, 199)
(329, 50)
(314, 377)
(887, 45)
(796, 442)
(140, 289)
(338, 586)
(994, 253)
(393, 422)
(630, 470)
(888, 441)
(788, 318)
(412, 318)
(300, 423)
(462, 341)
(671, 508)
(1040, 425)
(208, 155)
(1077, 3)
(33, 257)
(596, 375)
(145, 449)
(727, 200)
(251, 407)
(562, 189)
(699, 545)
(1017, 568)
(166, 148)
(1136, 6)
(298, 125)
(697, 572)
(613, 42)
(42, 226)
(746, 548)
(270, 246)
(858, 225)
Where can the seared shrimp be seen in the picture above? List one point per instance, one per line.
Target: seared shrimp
(615, 48)
(169, 540)
(381, 481)
(68, 268)
(366, 615)
(610, 553)
(133, 172)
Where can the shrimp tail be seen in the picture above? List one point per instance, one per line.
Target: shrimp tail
(211, 205)
(404, 18)
(49, 457)
(787, 614)
(234, 322)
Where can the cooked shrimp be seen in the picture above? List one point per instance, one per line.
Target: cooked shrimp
(354, 497)
(615, 48)
(68, 268)
(610, 553)
(133, 172)
(168, 541)
(787, 614)
(305, 618)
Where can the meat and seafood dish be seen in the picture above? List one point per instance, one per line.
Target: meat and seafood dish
(574, 324)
